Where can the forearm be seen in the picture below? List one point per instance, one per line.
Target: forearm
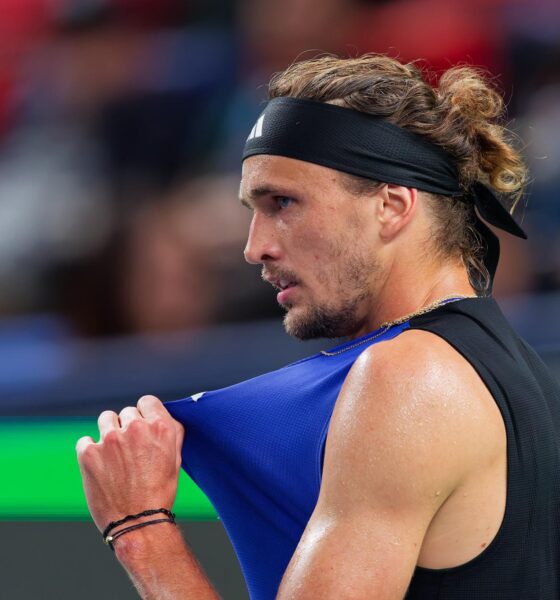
(161, 566)
(135, 467)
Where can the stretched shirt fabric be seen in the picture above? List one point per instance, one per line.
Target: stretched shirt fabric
(256, 450)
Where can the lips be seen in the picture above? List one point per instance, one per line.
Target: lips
(284, 285)
(281, 283)
(285, 294)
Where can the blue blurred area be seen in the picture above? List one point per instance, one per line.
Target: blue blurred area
(79, 377)
(34, 352)
(121, 128)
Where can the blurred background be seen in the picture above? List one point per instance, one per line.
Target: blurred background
(121, 271)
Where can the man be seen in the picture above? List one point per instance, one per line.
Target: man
(421, 457)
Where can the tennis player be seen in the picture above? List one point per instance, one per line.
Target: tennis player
(418, 459)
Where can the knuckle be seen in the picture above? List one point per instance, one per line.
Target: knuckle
(111, 438)
(161, 424)
(135, 425)
(88, 453)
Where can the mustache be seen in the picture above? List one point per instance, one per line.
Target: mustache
(277, 274)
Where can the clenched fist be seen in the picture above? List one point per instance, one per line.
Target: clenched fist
(135, 465)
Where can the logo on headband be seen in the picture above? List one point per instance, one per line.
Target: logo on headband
(257, 129)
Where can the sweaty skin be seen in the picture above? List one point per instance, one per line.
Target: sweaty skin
(415, 459)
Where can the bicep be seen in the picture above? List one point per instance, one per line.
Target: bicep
(362, 540)
(357, 556)
(389, 465)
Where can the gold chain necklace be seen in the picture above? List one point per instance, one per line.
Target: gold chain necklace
(384, 327)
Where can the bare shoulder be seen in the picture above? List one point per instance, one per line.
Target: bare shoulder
(415, 357)
(412, 409)
(420, 371)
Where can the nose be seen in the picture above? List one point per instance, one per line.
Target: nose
(262, 245)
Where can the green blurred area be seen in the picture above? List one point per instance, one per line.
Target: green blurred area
(40, 478)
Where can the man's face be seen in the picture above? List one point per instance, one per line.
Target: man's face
(315, 241)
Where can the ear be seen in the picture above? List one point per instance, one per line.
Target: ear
(396, 209)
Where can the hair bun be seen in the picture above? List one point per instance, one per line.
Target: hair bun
(466, 93)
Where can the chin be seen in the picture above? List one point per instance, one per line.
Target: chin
(319, 322)
(298, 326)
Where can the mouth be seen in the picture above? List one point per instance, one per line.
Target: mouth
(284, 296)
(284, 285)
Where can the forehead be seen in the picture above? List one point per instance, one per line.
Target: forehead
(281, 173)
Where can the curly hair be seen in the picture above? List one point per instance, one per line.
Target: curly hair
(462, 115)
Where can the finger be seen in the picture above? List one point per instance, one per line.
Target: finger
(129, 414)
(107, 421)
(83, 443)
(151, 408)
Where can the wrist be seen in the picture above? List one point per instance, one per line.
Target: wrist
(160, 564)
(144, 543)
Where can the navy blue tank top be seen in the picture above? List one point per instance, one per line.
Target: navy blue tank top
(256, 450)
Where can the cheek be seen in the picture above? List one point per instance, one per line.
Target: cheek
(314, 242)
(315, 238)
(297, 240)
(317, 251)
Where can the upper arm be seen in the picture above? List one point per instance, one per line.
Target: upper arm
(399, 443)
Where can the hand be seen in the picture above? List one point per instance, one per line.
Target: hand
(135, 465)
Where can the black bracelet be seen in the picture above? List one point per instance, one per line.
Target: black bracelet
(145, 513)
(110, 539)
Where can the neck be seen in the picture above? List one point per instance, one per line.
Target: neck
(398, 297)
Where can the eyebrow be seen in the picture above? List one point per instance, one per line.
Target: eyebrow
(258, 192)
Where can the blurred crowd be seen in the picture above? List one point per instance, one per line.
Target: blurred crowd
(121, 129)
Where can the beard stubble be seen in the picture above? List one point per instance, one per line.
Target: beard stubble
(344, 314)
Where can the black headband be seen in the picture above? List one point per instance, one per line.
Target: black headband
(360, 144)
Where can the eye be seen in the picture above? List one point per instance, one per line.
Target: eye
(283, 202)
